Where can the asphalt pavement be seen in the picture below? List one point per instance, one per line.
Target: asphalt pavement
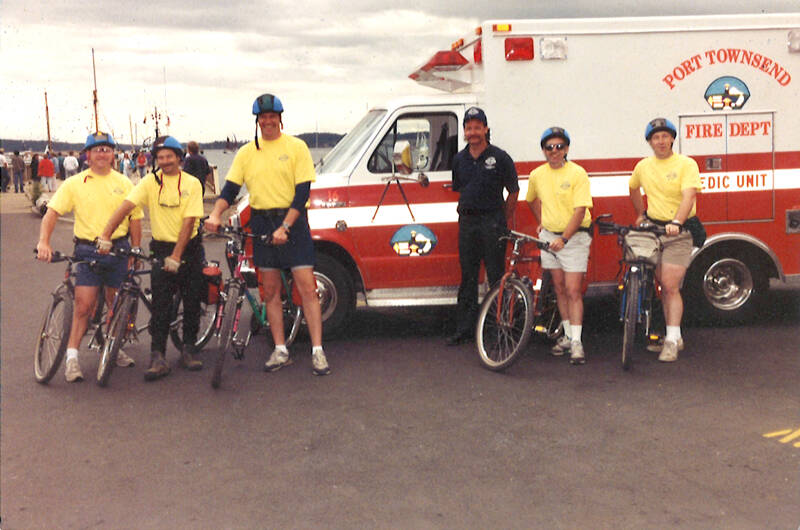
(405, 432)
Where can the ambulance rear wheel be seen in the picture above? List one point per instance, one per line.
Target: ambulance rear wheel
(725, 287)
(337, 295)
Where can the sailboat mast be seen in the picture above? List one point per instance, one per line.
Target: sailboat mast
(94, 94)
(47, 116)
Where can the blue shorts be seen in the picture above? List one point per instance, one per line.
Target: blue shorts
(109, 270)
(297, 252)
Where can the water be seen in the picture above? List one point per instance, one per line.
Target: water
(223, 159)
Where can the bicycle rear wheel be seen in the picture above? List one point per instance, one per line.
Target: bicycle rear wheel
(115, 336)
(226, 329)
(504, 324)
(547, 319)
(208, 313)
(631, 315)
(51, 343)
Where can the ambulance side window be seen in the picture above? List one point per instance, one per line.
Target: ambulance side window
(433, 138)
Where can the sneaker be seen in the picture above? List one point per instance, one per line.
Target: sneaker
(561, 346)
(158, 367)
(123, 359)
(319, 363)
(669, 353)
(73, 372)
(576, 353)
(277, 360)
(657, 346)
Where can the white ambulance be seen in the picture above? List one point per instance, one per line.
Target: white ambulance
(730, 83)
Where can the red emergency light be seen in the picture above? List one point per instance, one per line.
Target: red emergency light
(477, 52)
(519, 49)
(445, 60)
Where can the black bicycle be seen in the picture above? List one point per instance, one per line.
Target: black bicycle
(522, 302)
(51, 341)
(641, 247)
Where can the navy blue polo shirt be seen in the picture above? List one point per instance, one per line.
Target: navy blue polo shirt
(480, 181)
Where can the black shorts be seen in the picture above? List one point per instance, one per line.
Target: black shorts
(297, 252)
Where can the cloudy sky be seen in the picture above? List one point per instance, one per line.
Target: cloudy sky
(204, 61)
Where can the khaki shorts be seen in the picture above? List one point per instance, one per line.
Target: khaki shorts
(574, 257)
(677, 250)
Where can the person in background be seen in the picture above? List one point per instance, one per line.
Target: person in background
(4, 178)
(196, 164)
(47, 172)
(35, 178)
(18, 169)
(71, 165)
(481, 171)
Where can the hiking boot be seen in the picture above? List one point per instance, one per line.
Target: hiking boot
(319, 363)
(561, 346)
(277, 360)
(576, 355)
(669, 353)
(188, 360)
(657, 346)
(124, 360)
(158, 367)
(73, 372)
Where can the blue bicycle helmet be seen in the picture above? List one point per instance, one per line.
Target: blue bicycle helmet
(99, 138)
(554, 132)
(267, 103)
(660, 124)
(167, 142)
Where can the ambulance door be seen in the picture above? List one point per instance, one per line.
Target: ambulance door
(409, 235)
(750, 166)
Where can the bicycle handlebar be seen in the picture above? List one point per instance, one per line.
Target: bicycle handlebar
(231, 232)
(609, 227)
(526, 238)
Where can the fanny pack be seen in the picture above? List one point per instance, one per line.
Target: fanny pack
(698, 231)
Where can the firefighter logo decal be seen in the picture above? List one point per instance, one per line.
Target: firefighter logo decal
(727, 93)
(413, 240)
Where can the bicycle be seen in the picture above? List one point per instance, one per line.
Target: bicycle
(641, 247)
(51, 343)
(522, 302)
(236, 291)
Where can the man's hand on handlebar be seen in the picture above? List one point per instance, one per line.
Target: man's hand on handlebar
(212, 223)
(44, 252)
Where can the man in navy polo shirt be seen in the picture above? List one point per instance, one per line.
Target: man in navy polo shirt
(480, 173)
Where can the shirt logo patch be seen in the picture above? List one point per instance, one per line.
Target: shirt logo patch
(490, 163)
(184, 193)
(565, 185)
(118, 191)
(283, 158)
(671, 175)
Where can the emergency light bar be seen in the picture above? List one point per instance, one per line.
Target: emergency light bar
(445, 61)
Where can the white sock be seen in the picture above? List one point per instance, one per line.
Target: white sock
(281, 347)
(72, 353)
(673, 334)
(576, 332)
(567, 328)
(316, 349)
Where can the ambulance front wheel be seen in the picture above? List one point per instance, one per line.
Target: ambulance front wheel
(725, 287)
(337, 296)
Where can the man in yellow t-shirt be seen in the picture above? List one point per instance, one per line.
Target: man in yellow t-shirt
(174, 200)
(560, 199)
(671, 182)
(278, 172)
(92, 195)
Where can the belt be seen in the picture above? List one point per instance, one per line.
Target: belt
(476, 211)
(81, 241)
(587, 229)
(656, 221)
(277, 212)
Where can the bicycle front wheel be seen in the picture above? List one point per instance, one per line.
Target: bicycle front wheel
(51, 343)
(631, 315)
(226, 330)
(115, 336)
(504, 324)
(208, 313)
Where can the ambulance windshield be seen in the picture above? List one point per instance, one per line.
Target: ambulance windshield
(340, 157)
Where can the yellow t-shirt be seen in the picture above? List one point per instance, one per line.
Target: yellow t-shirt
(560, 191)
(167, 206)
(663, 181)
(272, 172)
(94, 198)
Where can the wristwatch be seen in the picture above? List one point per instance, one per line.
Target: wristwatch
(286, 226)
(565, 240)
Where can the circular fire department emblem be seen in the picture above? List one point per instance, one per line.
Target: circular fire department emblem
(413, 240)
(727, 93)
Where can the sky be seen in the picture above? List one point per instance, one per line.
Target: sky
(202, 63)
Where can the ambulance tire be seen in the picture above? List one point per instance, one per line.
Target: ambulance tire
(724, 287)
(337, 295)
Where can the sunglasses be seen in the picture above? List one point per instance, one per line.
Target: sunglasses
(102, 149)
(553, 147)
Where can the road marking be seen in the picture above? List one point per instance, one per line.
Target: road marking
(787, 434)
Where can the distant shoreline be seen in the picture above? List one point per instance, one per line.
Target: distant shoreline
(322, 140)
